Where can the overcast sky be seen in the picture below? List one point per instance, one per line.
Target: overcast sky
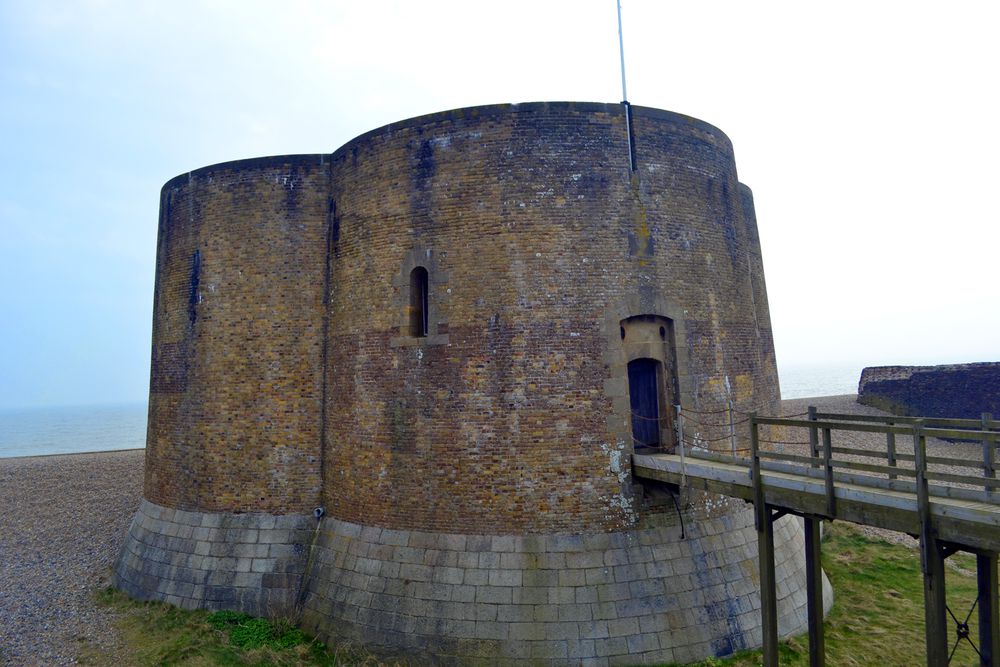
(867, 130)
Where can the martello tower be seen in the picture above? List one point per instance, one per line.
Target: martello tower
(447, 338)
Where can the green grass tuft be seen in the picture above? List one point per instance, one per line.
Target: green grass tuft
(159, 634)
(249, 633)
(878, 610)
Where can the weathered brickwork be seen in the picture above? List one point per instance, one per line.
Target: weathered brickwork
(541, 229)
(297, 363)
(236, 381)
(958, 390)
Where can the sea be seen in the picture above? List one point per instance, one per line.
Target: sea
(809, 381)
(76, 429)
(71, 430)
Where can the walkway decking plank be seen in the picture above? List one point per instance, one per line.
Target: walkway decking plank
(968, 522)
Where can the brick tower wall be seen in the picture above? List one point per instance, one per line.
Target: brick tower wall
(474, 464)
(236, 382)
(533, 229)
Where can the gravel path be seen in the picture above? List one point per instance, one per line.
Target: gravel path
(62, 521)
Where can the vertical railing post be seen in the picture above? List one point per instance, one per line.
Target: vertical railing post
(814, 569)
(680, 444)
(989, 453)
(732, 428)
(890, 448)
(920, 467)
(813, 437)
(755, 479)
(831, 507)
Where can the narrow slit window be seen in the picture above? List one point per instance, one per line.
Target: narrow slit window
(418, 302)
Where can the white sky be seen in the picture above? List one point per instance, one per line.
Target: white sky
(867, 130)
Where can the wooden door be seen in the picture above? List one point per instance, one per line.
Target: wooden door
(644, 397)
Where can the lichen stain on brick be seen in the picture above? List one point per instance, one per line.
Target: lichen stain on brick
(718, 336)
(425, 167)
(723, 214)
(743, 389)
(640, 236)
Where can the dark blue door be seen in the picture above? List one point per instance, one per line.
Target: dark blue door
(645, 399)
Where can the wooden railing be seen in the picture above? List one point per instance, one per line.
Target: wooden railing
(888, 485)
(888, 468)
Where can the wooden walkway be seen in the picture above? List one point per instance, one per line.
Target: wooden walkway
(950, 504)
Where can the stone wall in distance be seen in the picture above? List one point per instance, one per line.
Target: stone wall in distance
(960, 390)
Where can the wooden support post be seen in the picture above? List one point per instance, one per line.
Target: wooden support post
(814, 593)
(768, 588)
(813, 437)
(931, 562)
(764, 523)
(935, 609)
(989, 614)
(831, 506)
(989, 453)
(890, 448)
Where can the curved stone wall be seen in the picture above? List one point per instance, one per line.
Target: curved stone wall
(235, 397)
(640, 596)
(429, 332)
(208, 560)
(533, 229)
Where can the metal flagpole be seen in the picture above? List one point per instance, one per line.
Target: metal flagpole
(621, 51)
(628, 107)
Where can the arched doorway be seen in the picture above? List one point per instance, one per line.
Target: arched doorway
(648, 342)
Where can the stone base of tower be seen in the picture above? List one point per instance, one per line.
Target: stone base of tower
(209, 560)
(641, 596)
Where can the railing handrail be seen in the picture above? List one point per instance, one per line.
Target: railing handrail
(928, 421)
(825, 461)
(907, 429)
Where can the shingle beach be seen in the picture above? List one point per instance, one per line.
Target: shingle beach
(62, 521)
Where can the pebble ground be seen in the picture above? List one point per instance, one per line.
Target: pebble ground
(62, 521)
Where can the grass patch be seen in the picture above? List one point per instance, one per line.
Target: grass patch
(159, 634)
(878, 610)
